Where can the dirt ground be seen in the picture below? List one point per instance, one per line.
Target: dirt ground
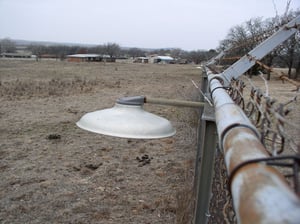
(54, 172)
(282, 93)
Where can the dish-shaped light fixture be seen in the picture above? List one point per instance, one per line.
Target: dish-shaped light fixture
(127, 119)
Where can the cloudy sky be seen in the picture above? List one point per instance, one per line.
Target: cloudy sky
(186, 24)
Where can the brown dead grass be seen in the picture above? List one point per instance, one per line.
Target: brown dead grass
(54, 172)
(81, 177)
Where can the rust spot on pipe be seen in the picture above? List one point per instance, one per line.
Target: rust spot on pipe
(241, 144)
(260, 193)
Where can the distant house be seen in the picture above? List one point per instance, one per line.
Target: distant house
(90, 58)
(53, 56)
(163, 60)
(15, 55)
(141, 60)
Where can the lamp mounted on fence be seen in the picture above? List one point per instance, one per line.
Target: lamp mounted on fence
(128, 119)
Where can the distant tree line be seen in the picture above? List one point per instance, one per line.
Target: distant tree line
(112, 49)
(244, 37)
(239, 40)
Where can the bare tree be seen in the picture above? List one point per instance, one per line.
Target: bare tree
(7, 46)
(176, 53)
(37, 50)
(242, 38)
(198, 56)
(290, 50)
(112, 49)
(135, 52)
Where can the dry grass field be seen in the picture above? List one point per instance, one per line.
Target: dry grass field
(54, 172)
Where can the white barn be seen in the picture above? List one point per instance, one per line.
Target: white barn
(163, 59)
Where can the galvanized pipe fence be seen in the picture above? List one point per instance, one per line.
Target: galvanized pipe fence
(260, 193)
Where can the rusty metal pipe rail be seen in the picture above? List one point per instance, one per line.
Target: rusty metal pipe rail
(260, 193)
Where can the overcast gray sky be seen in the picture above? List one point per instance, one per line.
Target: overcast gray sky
(186, 24)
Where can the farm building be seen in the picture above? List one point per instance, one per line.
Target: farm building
(90, 58)
(15, 55)
(141, 60)
(163, 59)
(53, 56)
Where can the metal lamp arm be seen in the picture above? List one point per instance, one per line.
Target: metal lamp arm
(140, 100)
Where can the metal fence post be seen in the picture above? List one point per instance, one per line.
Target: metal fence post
(204, 86)
(206, 149)
(208, 135)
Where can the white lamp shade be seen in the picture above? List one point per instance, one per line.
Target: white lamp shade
(127, 121)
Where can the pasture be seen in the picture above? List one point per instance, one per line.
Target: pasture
(54, 172)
